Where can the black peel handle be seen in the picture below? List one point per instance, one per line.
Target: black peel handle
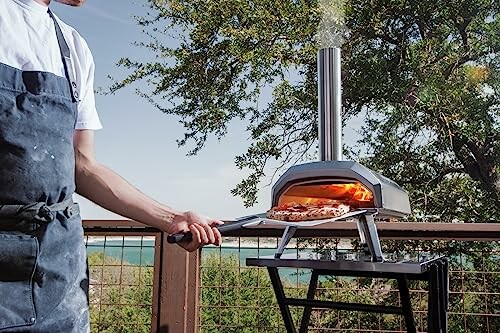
(228, 227)
(176, 238)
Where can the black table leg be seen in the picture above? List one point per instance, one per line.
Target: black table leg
(406, 305)
(280, 297)
(434, 300)
(444, 293)
(313, 284)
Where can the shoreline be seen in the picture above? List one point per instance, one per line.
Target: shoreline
(228, 242)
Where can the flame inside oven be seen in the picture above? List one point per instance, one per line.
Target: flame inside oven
(354, 194)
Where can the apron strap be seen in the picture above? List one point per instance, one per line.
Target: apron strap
(39, 211)
(66, 58)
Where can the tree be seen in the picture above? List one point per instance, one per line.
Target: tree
(423, 73)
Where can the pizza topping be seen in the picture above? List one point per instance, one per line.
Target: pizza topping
(293, 211)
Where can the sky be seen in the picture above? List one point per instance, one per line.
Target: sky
(139, 142)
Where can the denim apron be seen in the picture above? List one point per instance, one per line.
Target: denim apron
(43, 270)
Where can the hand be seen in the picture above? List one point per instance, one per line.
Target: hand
(202, 228)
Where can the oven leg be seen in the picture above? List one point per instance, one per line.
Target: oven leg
(313, 284)
(285, 239)
(406, 304)
(369, 235)
(280, 297)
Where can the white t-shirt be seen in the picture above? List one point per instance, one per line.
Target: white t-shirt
(28, 42)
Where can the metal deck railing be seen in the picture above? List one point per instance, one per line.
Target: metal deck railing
(139, 283)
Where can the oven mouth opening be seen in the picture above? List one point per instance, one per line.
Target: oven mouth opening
(354, 194)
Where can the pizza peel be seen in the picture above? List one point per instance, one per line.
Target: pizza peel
(254, 221)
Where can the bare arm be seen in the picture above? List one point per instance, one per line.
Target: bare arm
(107, 189)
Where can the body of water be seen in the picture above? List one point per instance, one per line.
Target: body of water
(141, 252)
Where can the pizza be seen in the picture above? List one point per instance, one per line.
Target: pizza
(295, 212)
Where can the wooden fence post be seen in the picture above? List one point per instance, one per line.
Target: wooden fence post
(178, 289)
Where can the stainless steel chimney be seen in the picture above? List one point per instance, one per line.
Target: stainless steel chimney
(329, 104)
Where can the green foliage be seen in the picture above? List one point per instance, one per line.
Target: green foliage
(235, 299)
(120, 295)
(360, 290)
(424, 74)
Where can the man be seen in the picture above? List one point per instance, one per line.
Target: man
(47, 118)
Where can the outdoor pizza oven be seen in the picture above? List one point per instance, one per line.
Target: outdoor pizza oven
(344, 181)
(332, 178)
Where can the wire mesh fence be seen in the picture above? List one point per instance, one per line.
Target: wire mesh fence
(129, 282)
(236, 298)
(121, 272)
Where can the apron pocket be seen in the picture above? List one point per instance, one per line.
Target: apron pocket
(18, 257)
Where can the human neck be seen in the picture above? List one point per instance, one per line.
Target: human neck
(43, 2)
